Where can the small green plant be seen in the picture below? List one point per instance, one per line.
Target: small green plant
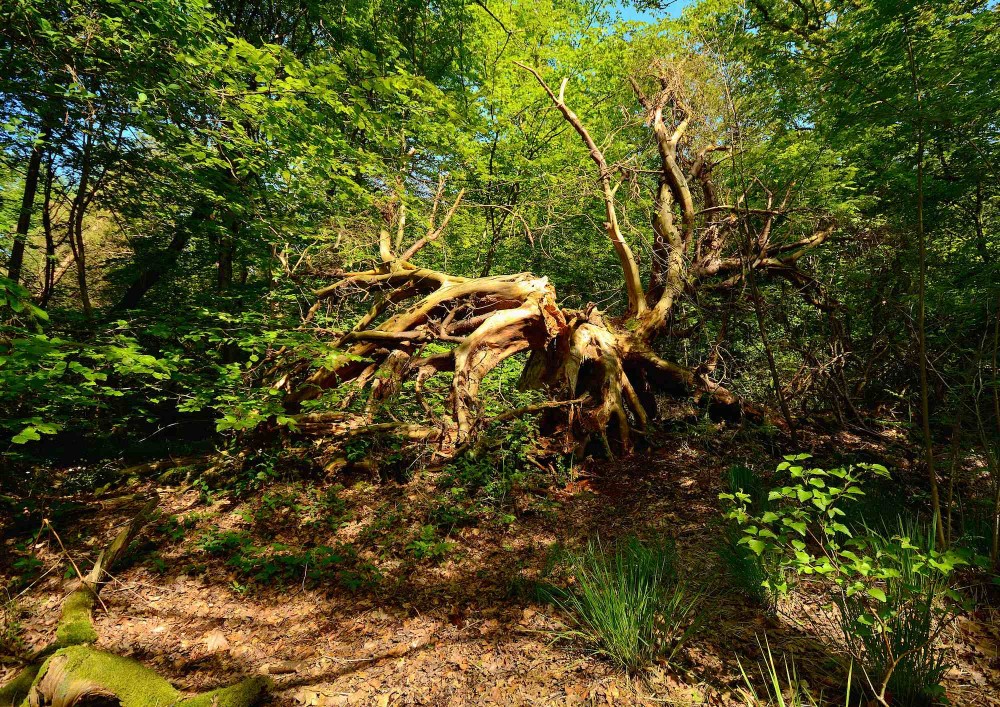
(26, 567)
(428, 546)
(782, 686)
(223, 542)
(628, 604)
(176, 528)
(893, 593)
(11, 638)
(157, 564)
(327, 508)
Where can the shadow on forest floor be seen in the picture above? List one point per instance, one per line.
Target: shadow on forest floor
(348, 591)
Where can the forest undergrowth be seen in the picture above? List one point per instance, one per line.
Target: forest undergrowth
(617, 581)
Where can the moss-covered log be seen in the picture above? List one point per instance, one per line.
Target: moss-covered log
(71, 672)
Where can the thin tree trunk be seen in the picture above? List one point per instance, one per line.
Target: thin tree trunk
(925, 413)
(48, 281)
(995, 544)
(164, 261)
(75, 231)
(772, 366)
(16, 262)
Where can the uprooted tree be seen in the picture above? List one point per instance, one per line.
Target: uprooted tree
(600, 373)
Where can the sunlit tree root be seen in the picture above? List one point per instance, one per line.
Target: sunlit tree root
(573, 355)
(610, 366)
(72, 673)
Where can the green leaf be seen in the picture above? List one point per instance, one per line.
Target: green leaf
(876, 593)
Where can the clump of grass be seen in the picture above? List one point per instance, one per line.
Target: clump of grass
(903, 650)
(744, 479)
(782, 685)
(628, 603)
(746, 570)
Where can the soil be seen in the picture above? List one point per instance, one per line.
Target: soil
(452, 619)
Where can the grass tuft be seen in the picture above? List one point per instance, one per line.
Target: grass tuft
(782, 685)
(628, 603)
(904, 650)
(746, 570)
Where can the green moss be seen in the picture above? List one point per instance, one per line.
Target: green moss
(17, 689)
(242, 694)
(131, 682)
(75, 627)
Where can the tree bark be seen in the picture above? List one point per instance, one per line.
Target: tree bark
(925, 412)
(16, 262)
(162, 263)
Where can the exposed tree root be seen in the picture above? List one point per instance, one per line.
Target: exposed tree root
(576, 356)
(609, 367)
(70, 672)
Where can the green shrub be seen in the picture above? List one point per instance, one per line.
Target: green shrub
(628, 602)
(893, 593)
(902, 649)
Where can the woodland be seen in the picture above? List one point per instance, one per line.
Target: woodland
(507, 352)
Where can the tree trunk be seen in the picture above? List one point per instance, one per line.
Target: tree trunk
(600, 373)
(164, 262)
(74, 227)
(16, 262)
(925, 412)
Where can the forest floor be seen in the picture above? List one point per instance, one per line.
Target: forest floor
(390, 613)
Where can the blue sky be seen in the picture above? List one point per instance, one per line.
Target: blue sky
(629, 12)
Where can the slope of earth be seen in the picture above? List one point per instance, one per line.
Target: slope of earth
(361, 591)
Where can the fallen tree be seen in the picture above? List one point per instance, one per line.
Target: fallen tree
(605, 369)
(71, 672)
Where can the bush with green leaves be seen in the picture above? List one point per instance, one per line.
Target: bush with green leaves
(893, 592)
(748, 572)
(628, 603)
(918, 604)
(48, 382)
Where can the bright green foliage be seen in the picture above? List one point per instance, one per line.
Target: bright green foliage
(893, 593)
(628, 602)
(918, 605)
